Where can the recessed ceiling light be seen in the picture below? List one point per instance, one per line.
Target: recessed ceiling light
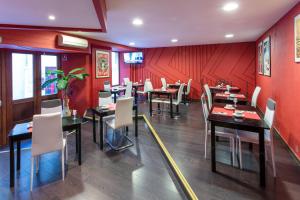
(230, 35)
(51, 17)
(131, 43)
(174, 40)
(137, 22)
(230, 6)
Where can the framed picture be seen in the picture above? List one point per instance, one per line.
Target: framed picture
(297, 38)
(267, 56)
(102, 64)
(260, 58)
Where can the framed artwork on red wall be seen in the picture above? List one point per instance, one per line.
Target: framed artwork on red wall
(260, 59)
(102, 64)
(267, 56)
(297, 38)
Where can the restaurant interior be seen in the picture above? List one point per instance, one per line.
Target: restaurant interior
(137, 99)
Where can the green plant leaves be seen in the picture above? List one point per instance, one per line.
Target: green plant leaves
(48, 82)
(62, 84)
(57, 72)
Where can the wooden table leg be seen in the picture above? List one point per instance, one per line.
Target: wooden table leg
(11, 163)
(94, 127)
(115, 97)
(213, 148)
(18, 155)
(150, 104)
(79, 144)
(262, 158)
(171, 106)
(101, 132)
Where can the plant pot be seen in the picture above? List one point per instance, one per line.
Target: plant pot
(66, 110)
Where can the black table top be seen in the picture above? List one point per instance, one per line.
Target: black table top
(233, 122)
(22, 129)
(222, 99)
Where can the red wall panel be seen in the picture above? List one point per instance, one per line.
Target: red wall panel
(233, 62)
(284, 84)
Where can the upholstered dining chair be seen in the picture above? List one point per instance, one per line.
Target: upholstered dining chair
(107, 86)
(251, 137)
(209, 96)
(188, 88)
(164, 83)
(47, 136)
(126, 80)
(128, 92)
(255, 96)
(51, 106)
(220, 132)
(148, 87)
(122, 119)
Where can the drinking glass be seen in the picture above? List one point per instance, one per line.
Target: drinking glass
(235, 100)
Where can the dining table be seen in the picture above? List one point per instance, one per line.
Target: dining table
(107, 111)
(165, 93)
(136, 86)
(229, 98)
(116, 90)
(251, 121)
(23, 131)
(217, 89)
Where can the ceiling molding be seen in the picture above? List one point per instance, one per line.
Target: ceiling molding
(30, 27)
(100, 8)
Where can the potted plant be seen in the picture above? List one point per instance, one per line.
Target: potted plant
(63, 84)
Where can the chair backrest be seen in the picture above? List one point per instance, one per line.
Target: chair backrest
(47, 133)
(107, 86)
(188, 89)
(228, 87)
(123, 112)
(51, 106)
(104, 98)
(255, 96)
(270, 112)
(179, 94)
(204, 107)
(164, 82)
(148, 86)
(126, 80)
(128, 92)
(209, 96)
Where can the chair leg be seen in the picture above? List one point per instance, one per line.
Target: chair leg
(37, 162)
(63, 164)
(66, 150)
(31, 173)
(273, 159)
(232, 150)
(205, 140)
(240, 154)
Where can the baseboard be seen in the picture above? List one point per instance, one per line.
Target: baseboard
(283, 141)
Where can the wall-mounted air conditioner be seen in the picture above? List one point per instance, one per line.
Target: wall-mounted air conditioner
(0, 39)
(74, 42)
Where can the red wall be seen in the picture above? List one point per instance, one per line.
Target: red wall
(233, 62)
(284, 84)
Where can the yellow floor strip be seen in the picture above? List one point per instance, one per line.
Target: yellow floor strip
(187, 188)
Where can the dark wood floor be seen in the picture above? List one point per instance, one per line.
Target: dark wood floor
(184, 138)
(142, 173)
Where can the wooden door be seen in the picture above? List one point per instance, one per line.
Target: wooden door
(3, 129)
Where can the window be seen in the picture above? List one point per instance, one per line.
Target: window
(115, 68)
(48, 63)
(22, 75)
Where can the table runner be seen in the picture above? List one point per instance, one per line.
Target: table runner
(247, 114)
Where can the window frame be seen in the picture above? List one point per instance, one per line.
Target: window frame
(52, 96)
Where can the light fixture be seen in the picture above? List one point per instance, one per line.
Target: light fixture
(230, 6)
(137, 22)
(174, 40)
(51, 17)
(230, 35)
(131, 43)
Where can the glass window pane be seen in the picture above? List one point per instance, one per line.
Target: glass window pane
(115, 68)
(22, 75)
(49, 63)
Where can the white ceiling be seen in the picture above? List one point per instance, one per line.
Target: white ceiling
(68, 13)
(191, 21)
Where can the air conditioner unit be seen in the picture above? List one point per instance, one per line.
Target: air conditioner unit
(74, 42)
(0, 39)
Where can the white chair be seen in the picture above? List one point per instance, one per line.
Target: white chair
(47, 136)
(104, 98)
(251, 137)
(164, 83)
(188, 88)
(220, 132)
(255, 96)
(107, 86)
(122, 119)
(51, 106)
(148, 87)
(126, 80)
(128, 92)
(209, 96)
